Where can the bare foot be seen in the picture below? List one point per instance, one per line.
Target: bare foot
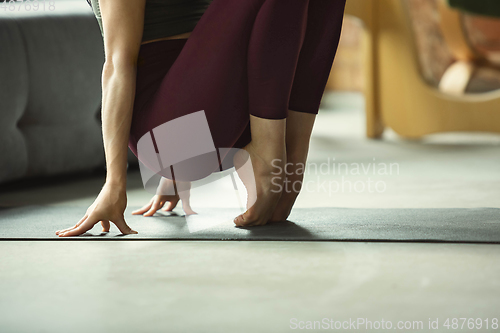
(291, 189)
(263, 181)
(299, 127)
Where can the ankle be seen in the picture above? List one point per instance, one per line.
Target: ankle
(270, 156)
(297, 154)
(268, 137)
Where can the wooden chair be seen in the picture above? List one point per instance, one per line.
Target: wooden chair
(396, 94)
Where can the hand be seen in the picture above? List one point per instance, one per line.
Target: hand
(161, 198)
(109, 206)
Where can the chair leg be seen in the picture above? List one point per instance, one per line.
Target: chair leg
(367, 12)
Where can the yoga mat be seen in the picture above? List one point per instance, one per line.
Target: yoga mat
(469, 225)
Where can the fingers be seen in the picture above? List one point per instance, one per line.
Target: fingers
(144, 209)
(157, 204)
(82, 228)
(63, 230)
(73, 227)
(105, 226)
(89, 224)
(170, 205)
(123, 227)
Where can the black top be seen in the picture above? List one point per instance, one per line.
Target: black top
(165, 18)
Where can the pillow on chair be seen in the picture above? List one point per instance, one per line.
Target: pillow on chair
(434, 55)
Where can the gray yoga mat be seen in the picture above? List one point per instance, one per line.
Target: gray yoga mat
(470, 225)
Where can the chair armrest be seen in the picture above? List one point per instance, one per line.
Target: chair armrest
(454, 34)
(456, 78)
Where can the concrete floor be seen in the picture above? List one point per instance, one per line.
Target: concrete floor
(239, 286)
(206, 286)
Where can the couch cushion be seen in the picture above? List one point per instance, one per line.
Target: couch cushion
(51, 63)
(65, 61)
(13, 99)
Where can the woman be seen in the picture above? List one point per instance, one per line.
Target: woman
(257, 69)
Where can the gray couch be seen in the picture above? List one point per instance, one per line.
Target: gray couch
(50, 91)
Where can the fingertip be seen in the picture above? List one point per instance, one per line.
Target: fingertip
(129, 232)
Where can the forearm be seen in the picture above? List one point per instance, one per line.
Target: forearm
(118, 82)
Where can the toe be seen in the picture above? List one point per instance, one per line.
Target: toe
(247, 219)
(239, 220)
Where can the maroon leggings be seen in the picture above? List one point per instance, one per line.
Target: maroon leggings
(245, 57)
